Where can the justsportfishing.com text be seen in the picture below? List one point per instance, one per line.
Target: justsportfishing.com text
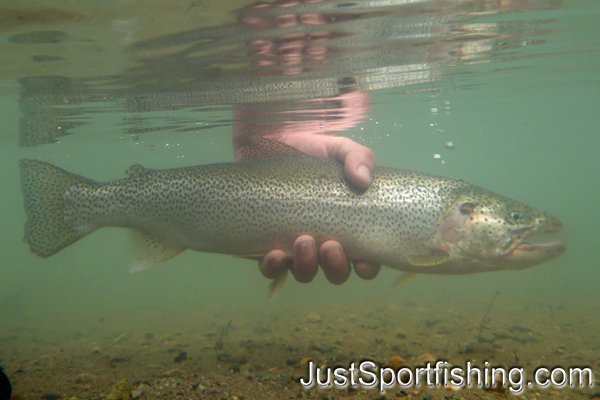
(368, 375)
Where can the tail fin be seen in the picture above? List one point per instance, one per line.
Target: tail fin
(43, 185)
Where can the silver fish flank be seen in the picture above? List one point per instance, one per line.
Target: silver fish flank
(405, 220)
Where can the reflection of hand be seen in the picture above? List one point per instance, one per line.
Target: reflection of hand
(358, 163)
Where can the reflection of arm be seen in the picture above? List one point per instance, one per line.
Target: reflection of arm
(309, 134)
(358, 161)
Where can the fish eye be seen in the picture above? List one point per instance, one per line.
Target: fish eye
(515, 215)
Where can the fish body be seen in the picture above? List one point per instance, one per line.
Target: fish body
(406, 220)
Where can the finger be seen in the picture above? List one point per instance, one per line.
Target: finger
(305, 264)
(366, 270)
(334, 262)
(274, 264)
(358, 160)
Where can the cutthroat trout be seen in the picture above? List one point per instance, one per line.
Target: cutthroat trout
(405, 220)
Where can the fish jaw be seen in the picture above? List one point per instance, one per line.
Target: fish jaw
(529, 254)
(481, 234)
(525, 254)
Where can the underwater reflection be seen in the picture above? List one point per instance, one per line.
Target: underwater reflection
(272, 61)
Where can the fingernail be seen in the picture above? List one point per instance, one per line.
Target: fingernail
(308, 250)
(364, 174)
(334, 255)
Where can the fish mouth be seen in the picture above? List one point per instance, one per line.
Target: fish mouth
(530, 252)
(527, 247)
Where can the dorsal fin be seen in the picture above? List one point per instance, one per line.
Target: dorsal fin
(260, 147)
(136, 170)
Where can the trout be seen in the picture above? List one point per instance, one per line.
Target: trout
(405, 220)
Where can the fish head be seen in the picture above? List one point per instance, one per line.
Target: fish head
(485, 231)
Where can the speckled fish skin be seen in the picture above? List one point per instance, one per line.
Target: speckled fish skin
(405, 220)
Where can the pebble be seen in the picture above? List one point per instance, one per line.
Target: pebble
(444, 330)
(121, 391)
(305, 361)
(395, 363)
(199, 388)
(181, 357)
(322, 350)
(432, 322)
(225, 357)
(241, 359)
(475, 347)
(97, 349)
(140, 391)
(426, 358)
(314, 318)
(292, 361)
(173, 373)
(261, 329)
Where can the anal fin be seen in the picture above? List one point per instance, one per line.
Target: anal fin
(405, 277)
(147, 251)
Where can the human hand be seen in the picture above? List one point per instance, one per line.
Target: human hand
(358, 163)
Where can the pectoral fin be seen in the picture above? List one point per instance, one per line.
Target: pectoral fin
(147, 251)
(425, 260)
(277, 284)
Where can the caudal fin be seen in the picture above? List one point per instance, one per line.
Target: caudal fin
(43, 186)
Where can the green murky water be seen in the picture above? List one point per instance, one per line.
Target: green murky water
(516, 91)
